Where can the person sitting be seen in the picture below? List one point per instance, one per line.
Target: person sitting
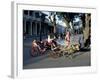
(35, 50)
(49, 43)
(42, 47)
(54, 45)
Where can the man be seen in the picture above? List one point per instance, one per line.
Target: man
(81, 41)
(37, 48)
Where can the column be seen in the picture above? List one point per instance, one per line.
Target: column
(40, 28)
(31, 28)
(40, 31)
(36, 28)
(25, 26)
(34, 15)
(28, 12)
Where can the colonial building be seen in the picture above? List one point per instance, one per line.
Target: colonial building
(36, 25)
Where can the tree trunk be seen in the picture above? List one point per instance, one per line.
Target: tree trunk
(67, 24)
(54, 30)
(53, 22)
(86, 30)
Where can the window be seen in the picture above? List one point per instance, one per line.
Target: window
(38, 28)
(33, 28)
(31, 13)
(27, 27)
(37, 14)
(25, 12)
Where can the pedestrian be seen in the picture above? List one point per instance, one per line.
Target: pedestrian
(81, 41)
(67, 39)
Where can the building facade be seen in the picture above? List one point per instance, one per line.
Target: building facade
(35, 25)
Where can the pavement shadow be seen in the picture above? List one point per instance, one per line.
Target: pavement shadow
(35, 59)
(82, 51)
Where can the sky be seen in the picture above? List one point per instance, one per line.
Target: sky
(57, 19)
(62, 23)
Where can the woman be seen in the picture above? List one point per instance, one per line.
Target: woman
(67, 39)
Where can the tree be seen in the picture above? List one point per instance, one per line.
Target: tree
(65, 17)
(86, 22)
(52, 18)
(42, 17)
(86, 30)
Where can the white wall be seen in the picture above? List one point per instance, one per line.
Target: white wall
(5, 39)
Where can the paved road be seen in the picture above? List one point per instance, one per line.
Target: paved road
(79, 59)
(45, 62)
(28, 42)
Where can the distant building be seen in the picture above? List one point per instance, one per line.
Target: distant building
(35, 25)
(77, 24)
(60, 29)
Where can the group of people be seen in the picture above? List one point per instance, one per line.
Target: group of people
(40, 47)
(37, 48)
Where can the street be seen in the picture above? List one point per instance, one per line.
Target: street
(43, 61)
